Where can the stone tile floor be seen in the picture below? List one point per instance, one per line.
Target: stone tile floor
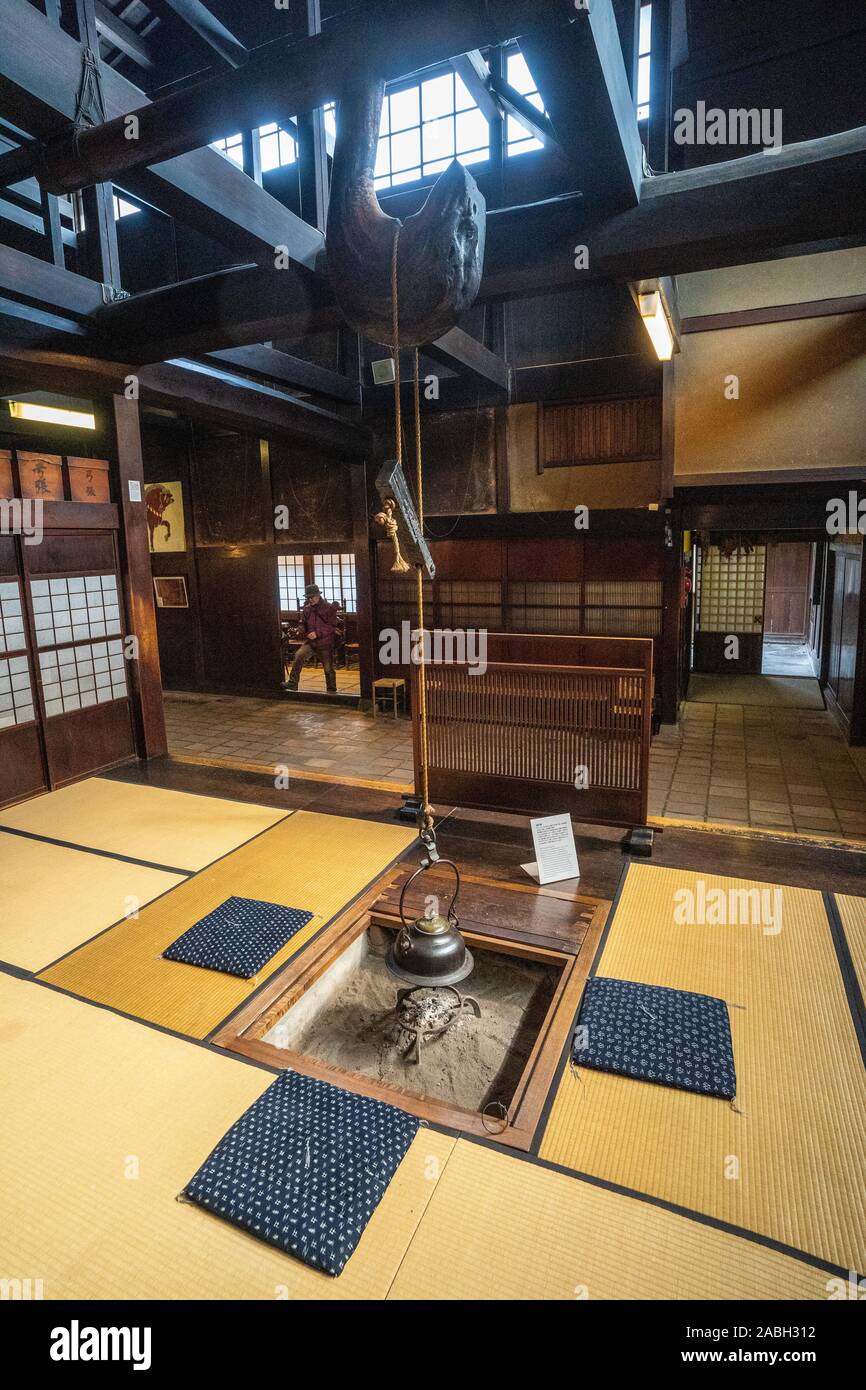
(315, 738)
(773, 769)
(749, 765)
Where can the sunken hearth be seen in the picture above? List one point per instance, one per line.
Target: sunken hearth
(350, 1019)
(479, 1058)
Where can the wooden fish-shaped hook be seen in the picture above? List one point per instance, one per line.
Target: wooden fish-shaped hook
(441, 248)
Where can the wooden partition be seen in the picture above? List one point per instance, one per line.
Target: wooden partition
(550, 725)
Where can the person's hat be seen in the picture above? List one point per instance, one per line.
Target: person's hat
(312, 591)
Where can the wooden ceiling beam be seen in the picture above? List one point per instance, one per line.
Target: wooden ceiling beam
(191, 389)
(40, 73)
(203, 22)
(285, 78)
(585, 88)
(467, 356)
(113, 29)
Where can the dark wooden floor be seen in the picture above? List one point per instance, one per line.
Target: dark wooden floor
(495, 846)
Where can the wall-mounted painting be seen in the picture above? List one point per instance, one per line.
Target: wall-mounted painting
(165, 522)
(170, 590)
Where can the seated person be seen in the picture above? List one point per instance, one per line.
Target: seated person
(321, 626)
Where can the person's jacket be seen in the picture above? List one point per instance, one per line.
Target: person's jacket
(324, 619)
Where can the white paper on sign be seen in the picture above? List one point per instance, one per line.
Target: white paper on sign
(555, 850)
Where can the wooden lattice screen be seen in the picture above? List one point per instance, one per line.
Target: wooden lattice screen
(541, 739)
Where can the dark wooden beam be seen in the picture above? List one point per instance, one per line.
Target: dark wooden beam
(292, 371)
(121, 36)
(467, 355)
(513, 103)
(40, 72)
(627, 14)
(287, 77)
(313, 147)
(204, 22)
(584, 85)
(145, 675)
(745, 209)
(659, 123)
(476, 76)
(98, 252)
(192, 389)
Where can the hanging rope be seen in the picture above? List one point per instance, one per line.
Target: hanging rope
(426, 817)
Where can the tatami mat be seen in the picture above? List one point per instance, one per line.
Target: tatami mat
(53, 899)
(311, 861)
(790, 1166)
(852, 913)
(104, 1121)
(175, 829)
(499, 1227)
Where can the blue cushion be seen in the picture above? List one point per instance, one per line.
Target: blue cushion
(669, 1036)
(305, 1168)
(238, 937)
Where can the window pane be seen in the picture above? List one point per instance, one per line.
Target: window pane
(405, 109)
(439, 139)
(407, 176)
(383, 158)
(473, 131)
(406, 150)
(519, 75)
(643, 81)
(645, 28)
(270, 152)
(438, 166)
(463, 98)
(437, 97)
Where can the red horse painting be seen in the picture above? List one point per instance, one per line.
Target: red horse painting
(158, 499)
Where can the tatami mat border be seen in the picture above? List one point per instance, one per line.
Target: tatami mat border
(847, 970)
(187, 875)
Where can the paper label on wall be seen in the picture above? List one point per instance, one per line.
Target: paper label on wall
(134, 490)
(555, 850)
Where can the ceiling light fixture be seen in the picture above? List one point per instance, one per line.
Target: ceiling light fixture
(52, 415)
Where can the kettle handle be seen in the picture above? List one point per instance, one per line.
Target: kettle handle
(452, 913)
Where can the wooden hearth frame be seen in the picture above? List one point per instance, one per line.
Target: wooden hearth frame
(243, 1032)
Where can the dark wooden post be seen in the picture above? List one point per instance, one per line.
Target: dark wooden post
(145, 674)
(365, 597)
(101, 258)
(658, 135)
(313, 148)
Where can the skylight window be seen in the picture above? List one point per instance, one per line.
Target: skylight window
(519, 77)
(232, 147)
(122, 208)
(425, 127)
(643, 62)
(277, 147)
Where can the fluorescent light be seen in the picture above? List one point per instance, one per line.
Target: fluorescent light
(52, 415)
(655, 321)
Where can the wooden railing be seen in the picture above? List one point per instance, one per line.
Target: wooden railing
(541, 739)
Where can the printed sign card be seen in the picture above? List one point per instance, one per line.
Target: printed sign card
(555, 850)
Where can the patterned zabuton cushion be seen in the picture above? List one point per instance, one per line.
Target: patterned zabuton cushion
(669, 1036)
(238, 937)
(305, 1168)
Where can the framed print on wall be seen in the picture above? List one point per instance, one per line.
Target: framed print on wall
(165, 521)
(170, 591)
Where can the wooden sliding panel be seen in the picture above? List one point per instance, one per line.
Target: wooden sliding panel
(22, 764)
(538, 740)
(75, 609)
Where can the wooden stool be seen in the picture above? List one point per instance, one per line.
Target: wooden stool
(389, 684)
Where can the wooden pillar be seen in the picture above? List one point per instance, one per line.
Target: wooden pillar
(313, 148)
(627, 14)
(252, 155)
(145, 674)
(364, 573)
(100, 258)
(658, 136)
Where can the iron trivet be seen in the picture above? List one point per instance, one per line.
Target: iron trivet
(427, 1012)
